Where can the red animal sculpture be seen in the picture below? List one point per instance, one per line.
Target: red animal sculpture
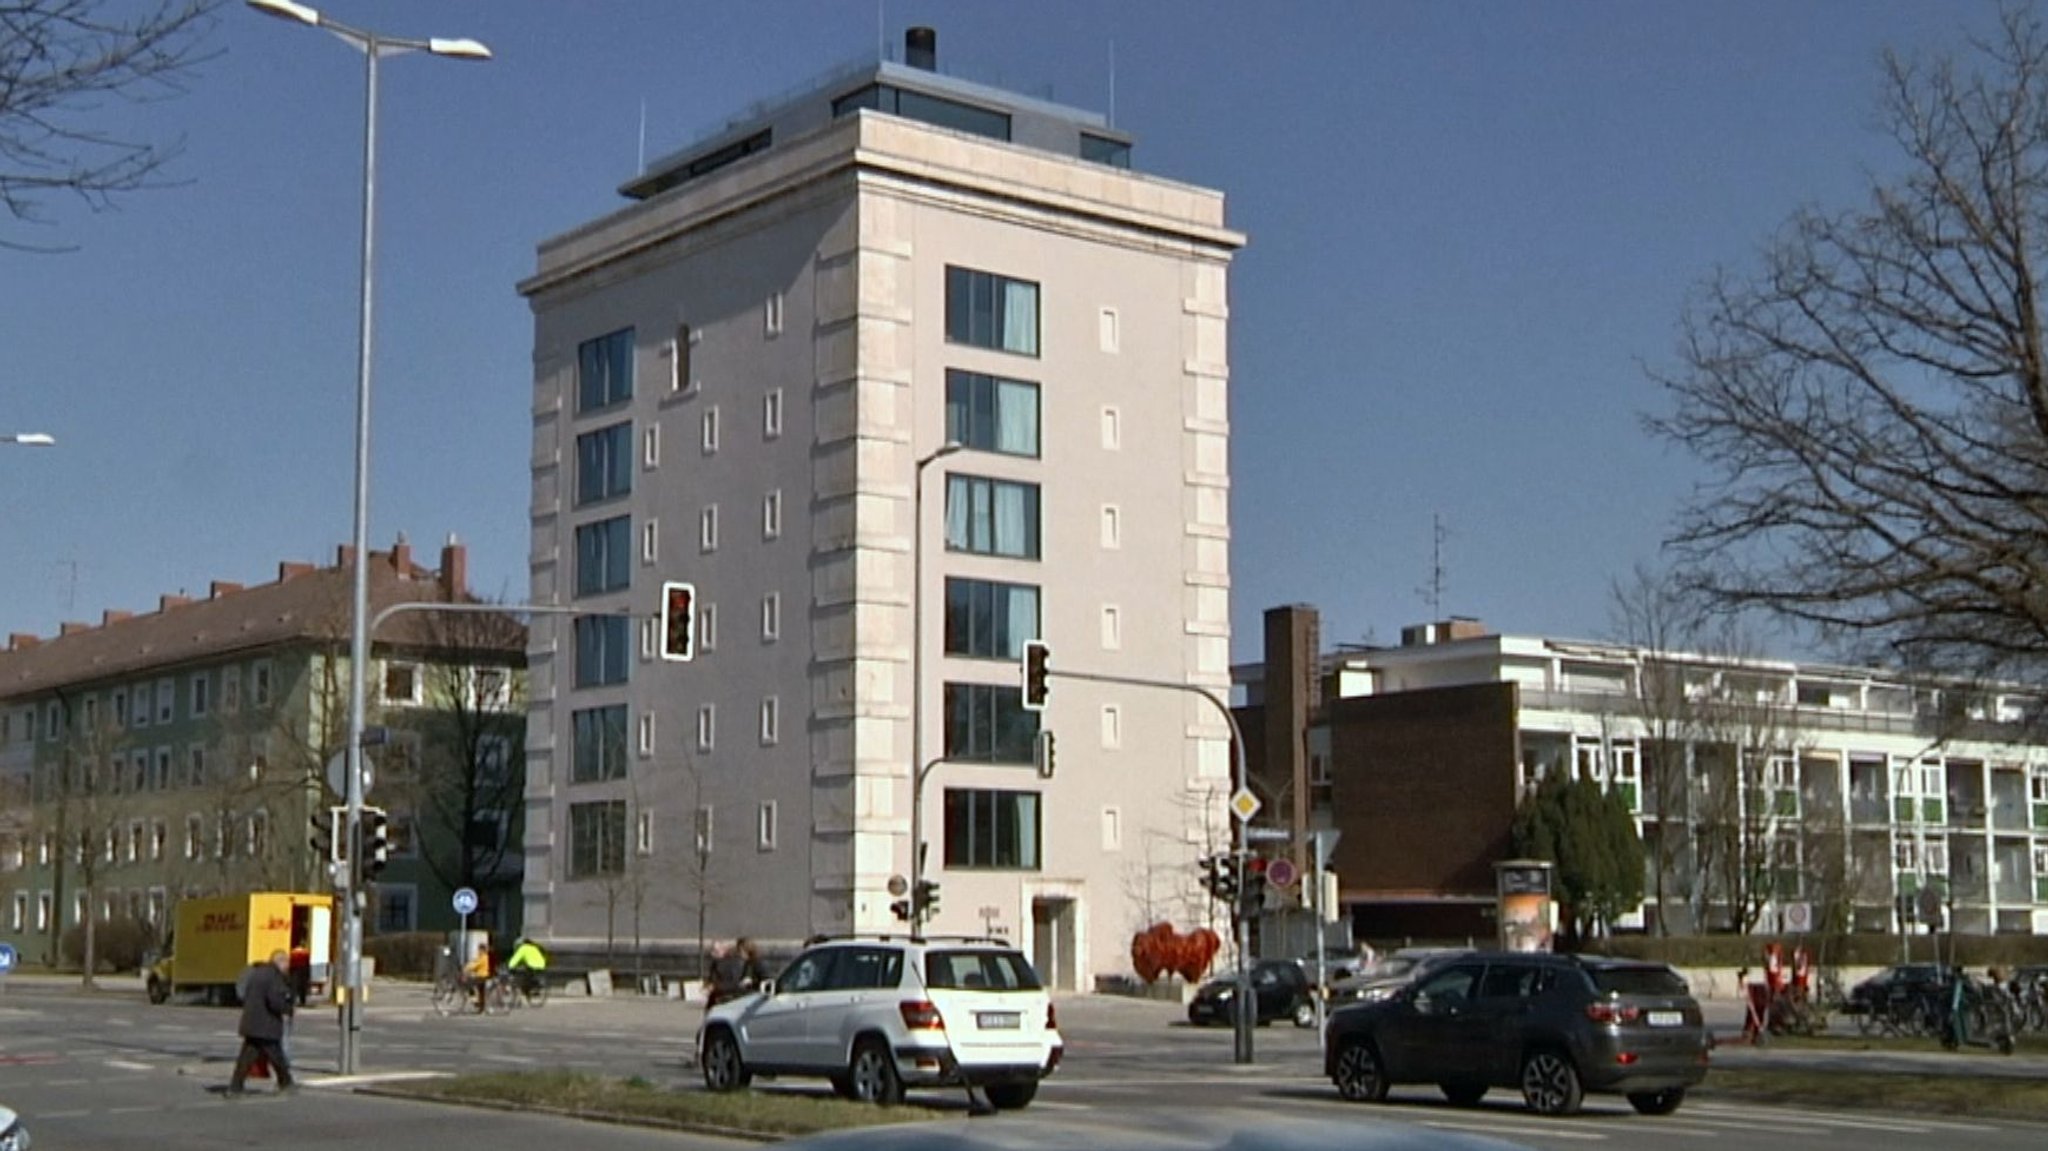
(1159, 950)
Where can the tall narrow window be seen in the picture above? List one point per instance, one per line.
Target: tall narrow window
(1112, 627)
(707, 727)
(771, 515)
(1112, 727)
(771, 414)
(768, 827)
(643, 837)
(604, 464)
(650, 542)
(646, 734)
(650, 447)
(771, 721)
(1107, 331)
(707, 627)
(707, 528)
(772, 315)
(604, 371)
(710, 430)
(771, 616)
(679, 367)
(202, 694)
(1112, 430)
(1112, 527)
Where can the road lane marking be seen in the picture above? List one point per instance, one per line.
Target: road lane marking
(1546, 1131)
(125, 1065)
(1796, 1113)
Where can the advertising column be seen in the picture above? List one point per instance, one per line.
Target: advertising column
(1527, 914)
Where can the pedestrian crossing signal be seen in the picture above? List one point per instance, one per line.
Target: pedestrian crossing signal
(678, 622)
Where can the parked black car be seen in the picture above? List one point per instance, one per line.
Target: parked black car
(1280, 987)
(1390, 974)
(1556, 1026)
(1904, 995)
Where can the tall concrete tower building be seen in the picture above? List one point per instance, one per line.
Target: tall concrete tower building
(897, 373)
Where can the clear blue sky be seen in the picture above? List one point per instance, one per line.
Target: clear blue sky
(1471, 225)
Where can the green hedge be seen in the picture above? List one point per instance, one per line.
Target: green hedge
(1836, 950)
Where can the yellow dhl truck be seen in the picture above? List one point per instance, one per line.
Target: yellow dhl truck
(216, 940)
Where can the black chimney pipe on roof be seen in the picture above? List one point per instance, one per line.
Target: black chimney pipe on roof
(921, 48)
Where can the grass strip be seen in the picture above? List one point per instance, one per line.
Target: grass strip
(636, 1099)
(1882, 1090)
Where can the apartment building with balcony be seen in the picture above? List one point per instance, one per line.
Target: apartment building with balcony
(1764, 784)
(751, 378)
(185, 751)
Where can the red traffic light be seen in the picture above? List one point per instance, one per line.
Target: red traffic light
(678, 621)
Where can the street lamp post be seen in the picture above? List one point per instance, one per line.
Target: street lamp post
(374, 46)
(918, 767)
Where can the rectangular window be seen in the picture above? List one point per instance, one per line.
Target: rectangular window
(707, 627)
(397, 906)
(1112, 829)
(650, 638)
(145, 704)
(120, 709)
(604, 464)
(991, 517)
(43, 902)
(17, 916)
(604, 371)
(259, 684)
(707, 529)
(992, 414)
(771, 721)
(646, 735)
(650, 447)
(195, 837)
(1103, 150)
(707, 727)
(401, 682)
(771, 414)
(711, 430)
(680, 369)
(771, 617)
(599, 748)
(988, 723)
(166, 700)
(771, 516)
(1112, 430)
(989, 620)
(1112, 627)
(1112, 527)
(767, 821)
(703, 831)
(202, 693)
(926, 109)
(1112, 727)
(603, 650)
(771, 319)
(597, 839)
(990, 311)
(160, 779)
(992, 829)
(650, 542)
(1107, 331)
(643, 836)
(603, 556)
(53, 721)
(231, 690)
(195, 766)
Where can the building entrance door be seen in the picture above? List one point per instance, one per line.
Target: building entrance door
(1052, 941)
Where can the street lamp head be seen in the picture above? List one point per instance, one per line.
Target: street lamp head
(460, 49)
(286, 10)
(941, 452)
(32, 439)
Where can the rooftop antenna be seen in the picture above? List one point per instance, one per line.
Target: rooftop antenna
(1432, 593)
(1112, 83)
(881, 30)
(642, 165)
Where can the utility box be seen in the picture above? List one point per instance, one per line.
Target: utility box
(215, 940)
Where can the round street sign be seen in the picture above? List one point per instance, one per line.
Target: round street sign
(337, 773)
(464, 901)
(6, 958)
(1280, 873)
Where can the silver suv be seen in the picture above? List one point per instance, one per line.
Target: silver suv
(875, 1014)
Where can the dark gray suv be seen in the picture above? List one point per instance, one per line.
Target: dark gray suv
(1556, 1026)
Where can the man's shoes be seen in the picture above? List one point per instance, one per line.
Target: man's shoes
(233, 1093)
(287, 1088)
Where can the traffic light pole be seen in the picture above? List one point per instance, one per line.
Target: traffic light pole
(349, 886)
(1245, 1015)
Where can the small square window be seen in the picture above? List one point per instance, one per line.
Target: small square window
(710, 430)
(650, 447)
(401, 683)
(1112, 430)
(771, 414)
(707, 529)
(771, 616)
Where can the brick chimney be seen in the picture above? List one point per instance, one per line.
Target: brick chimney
(288, 570)
(345, 556)
(167, 602)
(221, 587)
(454, 570)
(72, 627)
(22, 640)
(110, 616)
(401, 557)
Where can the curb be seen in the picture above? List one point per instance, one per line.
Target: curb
(611, 1117)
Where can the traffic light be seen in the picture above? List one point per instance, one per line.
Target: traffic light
(926, 899)
(901, 909)
(678, 621)
(1253, 896)
(1220, 877)
(1035, 655)
(376, 841)
(326, 844)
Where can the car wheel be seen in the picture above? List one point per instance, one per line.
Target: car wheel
(1011, 1096)
(724, 1070)
(1359, 1076)
(1305, 1013)
(873, 1074)
(1550, 1084)
(159, 991)
(1463, 1094)
(1657, 1102)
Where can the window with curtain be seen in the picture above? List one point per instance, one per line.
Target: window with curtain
(603, 555)
(991, 517)
(992, 414)
(986, 310)
(599, 744)
(988, 723)
(604, 463)
(993, 829)
(604, 371)
(597, 838)
(603, 646)
(989, 620)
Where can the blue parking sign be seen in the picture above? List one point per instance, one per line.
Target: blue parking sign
(6, 958)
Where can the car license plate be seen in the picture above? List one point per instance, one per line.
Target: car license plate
(998, 1020)
(1667, 1018)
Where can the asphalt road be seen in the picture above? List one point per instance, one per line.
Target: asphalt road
(108, 1071)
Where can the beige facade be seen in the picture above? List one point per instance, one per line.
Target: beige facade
(789, 368)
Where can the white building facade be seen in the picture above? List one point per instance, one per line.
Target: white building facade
(749, 379)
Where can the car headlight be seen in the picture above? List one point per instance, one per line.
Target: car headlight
(1374, 994)
(15, 1138)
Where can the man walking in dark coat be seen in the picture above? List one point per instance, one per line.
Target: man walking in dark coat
(266, 1006)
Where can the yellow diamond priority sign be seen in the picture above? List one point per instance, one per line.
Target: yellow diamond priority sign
(1244, 805)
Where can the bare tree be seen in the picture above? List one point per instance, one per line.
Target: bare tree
(1746, 828)
(1874, 400)
(1652, 614)
(60, 61)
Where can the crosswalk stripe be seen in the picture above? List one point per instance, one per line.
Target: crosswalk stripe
(1547, 1130)
(1917, 1124)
